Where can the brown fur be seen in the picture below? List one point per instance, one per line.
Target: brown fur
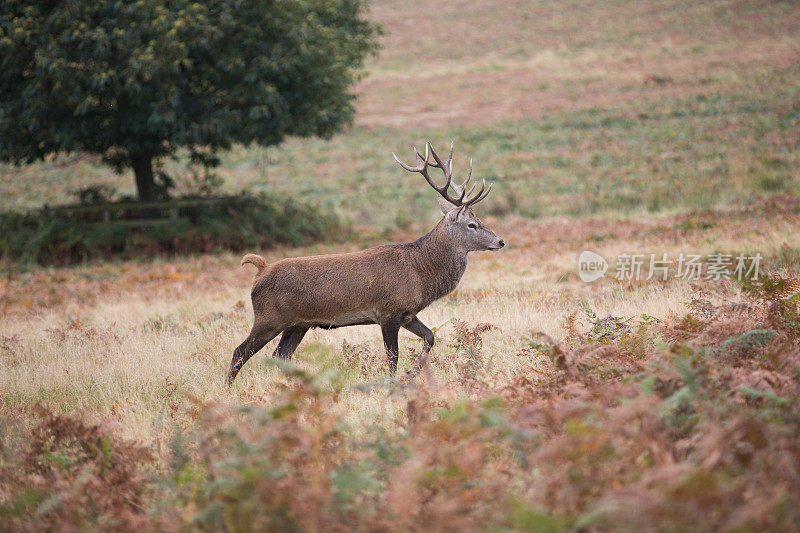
(254, 259)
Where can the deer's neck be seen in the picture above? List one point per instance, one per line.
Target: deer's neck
(440, 261)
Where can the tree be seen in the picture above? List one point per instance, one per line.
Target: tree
(136, 80)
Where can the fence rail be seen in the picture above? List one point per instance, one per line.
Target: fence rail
(131, 213)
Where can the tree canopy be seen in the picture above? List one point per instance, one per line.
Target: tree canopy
(136, 80)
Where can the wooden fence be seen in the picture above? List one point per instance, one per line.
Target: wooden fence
(137, 214)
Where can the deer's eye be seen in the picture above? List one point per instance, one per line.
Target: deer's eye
(471, 226)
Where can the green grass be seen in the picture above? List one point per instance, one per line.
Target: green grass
(694, 152)
(678, 154)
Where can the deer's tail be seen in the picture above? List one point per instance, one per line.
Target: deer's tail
(254, 259)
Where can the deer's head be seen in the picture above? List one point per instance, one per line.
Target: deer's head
(460, 222)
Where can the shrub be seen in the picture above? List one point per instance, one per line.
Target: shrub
(71, 476)
(237, 223)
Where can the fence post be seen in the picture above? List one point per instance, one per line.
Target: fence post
(45, 215)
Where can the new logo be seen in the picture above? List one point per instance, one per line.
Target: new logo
(591, 266)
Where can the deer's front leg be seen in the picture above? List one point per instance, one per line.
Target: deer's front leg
(423, 332)
(390, 328)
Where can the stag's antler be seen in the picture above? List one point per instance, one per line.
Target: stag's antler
(447, 168)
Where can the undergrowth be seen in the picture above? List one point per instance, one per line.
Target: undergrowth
(693, 428)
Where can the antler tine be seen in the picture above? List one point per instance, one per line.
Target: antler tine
(467, 193)
(448, 163)
(463, 186)
(409, 168)
(420, 168)
(445, 167)
(484, 195)
(425, 159)
(450, 158)
(471, 200)
(480, 195)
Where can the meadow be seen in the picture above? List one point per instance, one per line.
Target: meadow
(552, 404)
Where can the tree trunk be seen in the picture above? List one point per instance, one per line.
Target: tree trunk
(145, 184)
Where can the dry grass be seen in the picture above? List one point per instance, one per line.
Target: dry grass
(131, 341)
(487, 62)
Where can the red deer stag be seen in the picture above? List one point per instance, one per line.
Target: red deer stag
(385, 285)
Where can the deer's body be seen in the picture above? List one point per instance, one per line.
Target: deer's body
(386, 285)
(360, 287)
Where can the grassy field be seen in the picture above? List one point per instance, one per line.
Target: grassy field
(553, 404)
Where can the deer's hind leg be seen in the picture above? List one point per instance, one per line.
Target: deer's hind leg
(289, 342)
(259, 336)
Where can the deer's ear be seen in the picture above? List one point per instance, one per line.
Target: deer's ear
(444, 205)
